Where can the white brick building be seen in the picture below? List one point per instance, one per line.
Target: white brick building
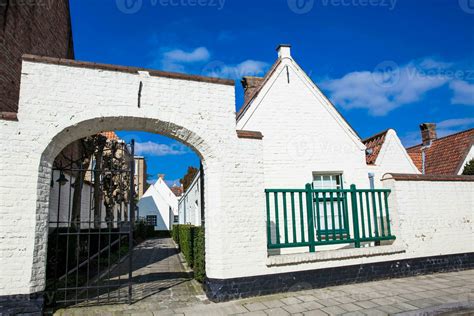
(304, 140)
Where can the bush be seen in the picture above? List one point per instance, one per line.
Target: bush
(175, 233)
(199, 254)
(186, 242)
(190, 240)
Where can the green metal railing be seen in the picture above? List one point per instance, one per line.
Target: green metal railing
(315, 217)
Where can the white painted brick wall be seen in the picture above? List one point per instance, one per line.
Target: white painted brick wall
(60, 104)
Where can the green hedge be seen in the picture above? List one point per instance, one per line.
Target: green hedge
(186, 242)
(199, 254)
(190, 240)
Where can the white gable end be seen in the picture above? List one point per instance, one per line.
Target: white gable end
(302, 131)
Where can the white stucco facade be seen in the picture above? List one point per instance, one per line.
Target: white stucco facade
(159, 203)
(190, 203)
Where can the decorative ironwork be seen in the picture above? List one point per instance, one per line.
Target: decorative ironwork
(91, 231)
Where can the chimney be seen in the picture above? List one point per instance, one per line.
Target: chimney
(162, 176)
(284, 50)
(428, 133)
(250, 84)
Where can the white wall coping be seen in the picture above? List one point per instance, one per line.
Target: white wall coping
(329, 255)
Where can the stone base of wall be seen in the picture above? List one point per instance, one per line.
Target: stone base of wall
(27, 304)
(219, 290)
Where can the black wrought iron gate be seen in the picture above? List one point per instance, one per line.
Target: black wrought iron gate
(91, 220)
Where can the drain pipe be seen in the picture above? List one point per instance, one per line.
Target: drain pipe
(371, 180)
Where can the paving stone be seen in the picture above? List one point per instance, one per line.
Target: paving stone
(333, 310)
(350, 307)
(255, 307)
(316, 312)
(296, 308)
(328, 302)
(389, 309)
(273, 303)
(373, 312)
(344, 299)
(276, 311)
(312, 305)
(290, 300)
(354, 313)
(366, 304)
(306, 298)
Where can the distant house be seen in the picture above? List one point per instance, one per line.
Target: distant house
(190, 203)
(385, 153)
(159, 206)
(446, 155)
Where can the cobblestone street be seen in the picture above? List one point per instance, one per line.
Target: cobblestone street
(163, 287)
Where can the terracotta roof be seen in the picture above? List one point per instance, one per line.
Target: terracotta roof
(110, 135)
(177, 190)
(445, 155)
(374, 144)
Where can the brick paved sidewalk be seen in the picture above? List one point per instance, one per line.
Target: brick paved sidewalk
(436, 294)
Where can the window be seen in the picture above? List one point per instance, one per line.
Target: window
(327, 181)
(323, 204)
(175, 218)
(151, 220)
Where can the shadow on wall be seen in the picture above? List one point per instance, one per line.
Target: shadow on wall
(147, 207)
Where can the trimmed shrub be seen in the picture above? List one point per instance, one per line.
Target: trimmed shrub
(199, 254)
(186, 242)
(175, 233)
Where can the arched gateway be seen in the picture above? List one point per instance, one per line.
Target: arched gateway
(62, 101)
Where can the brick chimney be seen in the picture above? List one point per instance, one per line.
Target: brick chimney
(428, 133)
(162, 176)
(250, 84)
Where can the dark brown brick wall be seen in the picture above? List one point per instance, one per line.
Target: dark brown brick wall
(40, 27)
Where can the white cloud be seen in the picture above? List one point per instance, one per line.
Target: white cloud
(388, 86)
(156, 149)
(179, 60)
(463, 92)
(180, 56)
(248, 67)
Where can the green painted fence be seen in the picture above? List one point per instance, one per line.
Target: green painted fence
(315, 217)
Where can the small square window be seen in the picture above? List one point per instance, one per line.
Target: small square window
(151, 220)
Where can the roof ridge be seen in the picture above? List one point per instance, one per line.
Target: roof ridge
(444, 137)
(375, 135)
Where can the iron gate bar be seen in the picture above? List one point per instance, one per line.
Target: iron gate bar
(86, 250)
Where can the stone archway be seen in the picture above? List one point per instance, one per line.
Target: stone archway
(62, 101)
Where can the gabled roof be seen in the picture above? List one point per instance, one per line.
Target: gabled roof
(374, 145)
(255, 93)
(330, 106)
(445, 155)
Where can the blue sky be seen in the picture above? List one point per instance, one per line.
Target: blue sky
(383, 63)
